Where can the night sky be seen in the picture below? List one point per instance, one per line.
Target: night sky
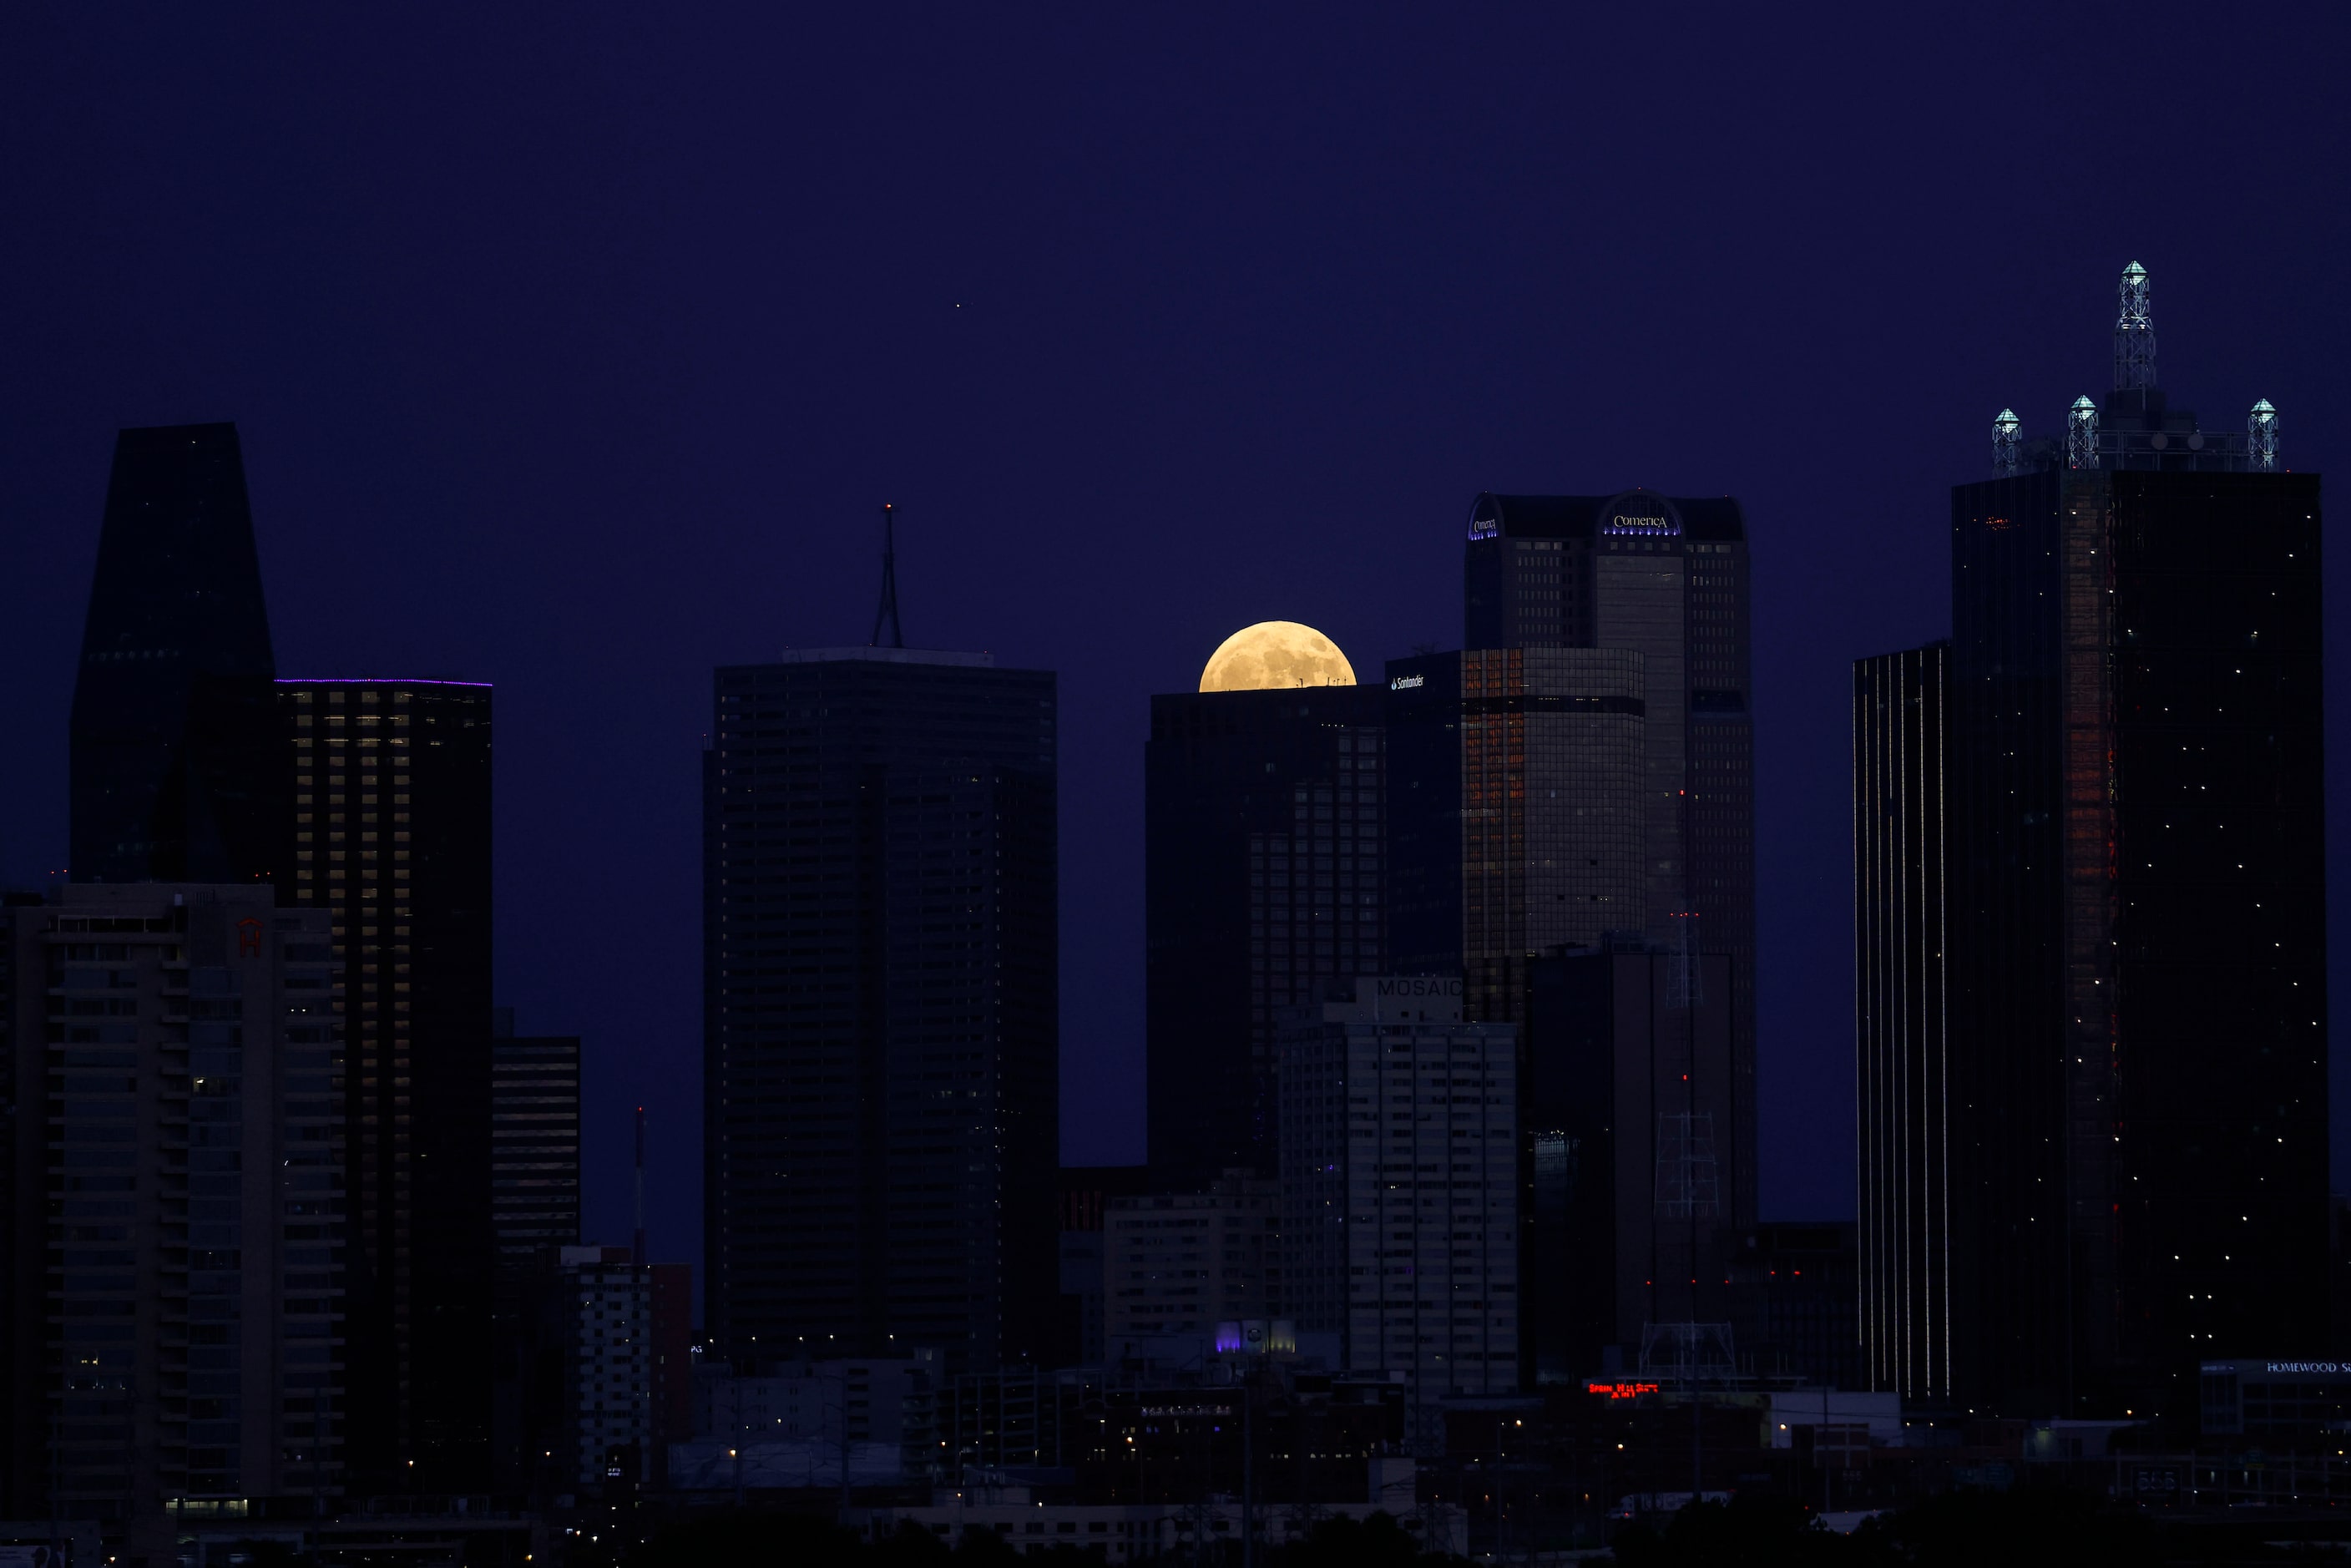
(575, 348)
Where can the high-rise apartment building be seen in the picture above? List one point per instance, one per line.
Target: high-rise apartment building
(1902, 1065)
(1640, 1160)
(1262, 880)
(2134, 887)
(881, 1055)
(391, 788)
(1400, 1185)
(176, 769)
(175, 1222)
(1517, 815)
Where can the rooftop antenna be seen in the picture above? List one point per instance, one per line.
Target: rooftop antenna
(2134, 333)
(2261, 437)
(637, 1247)
(2005, 461)
(888, 611)
(2082, 434)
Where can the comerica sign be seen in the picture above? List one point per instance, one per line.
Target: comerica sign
(1656, 527)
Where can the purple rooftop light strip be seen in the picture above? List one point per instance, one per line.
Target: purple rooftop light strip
(374, 681)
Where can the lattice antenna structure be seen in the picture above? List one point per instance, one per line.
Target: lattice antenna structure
(2134, 333)
(886, 614)
(1687, 1353)
(1687, 1184)
(1686, 969)
(2082, 434)
(2007, 457)
(2261, 437)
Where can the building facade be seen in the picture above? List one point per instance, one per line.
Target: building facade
(389, 782)
(1638, 1155)
(1181, 1263)
(1262, 880)
(1517, 814)
(1666, 578)
(1795, 1303)
(175, 745)
(1400, 1185)
(880, 1055)
(2138, 995)
(534, 1148)
(609, 1372)
(1902, 1066)
(174, 1078)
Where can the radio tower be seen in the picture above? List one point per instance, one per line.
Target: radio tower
(887, 614)
(2134, 333)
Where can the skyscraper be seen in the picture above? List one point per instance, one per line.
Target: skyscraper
(176, 774)
(1400, 1184)
(534, 1148)
(1902, 1067)
(1666, 578)
(1262, 880)
(1517, 814)
(175, 1220)
(880, 1122)
(1640, 1160)
(2136, 899)
(534, 1203)
(391, 787)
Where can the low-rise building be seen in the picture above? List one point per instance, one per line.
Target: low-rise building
(1137, 1533)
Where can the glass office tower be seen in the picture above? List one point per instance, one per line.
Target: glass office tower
(175, 758)
(1262, 880)
(881, 1125)
(1902, 1065)
(2136, 887)
(2138, 908)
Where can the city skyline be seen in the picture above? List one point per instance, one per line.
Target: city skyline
(427, 506)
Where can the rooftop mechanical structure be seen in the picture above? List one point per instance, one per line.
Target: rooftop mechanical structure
(2137, 426)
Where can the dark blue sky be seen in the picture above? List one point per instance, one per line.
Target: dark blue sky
(574, 351)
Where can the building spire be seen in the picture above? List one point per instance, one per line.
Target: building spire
(2261, 437)
(2134, 333)
(2082, 434)
(2005, 461)
(887, 614)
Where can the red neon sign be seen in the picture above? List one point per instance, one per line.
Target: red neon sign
(1621, 1390)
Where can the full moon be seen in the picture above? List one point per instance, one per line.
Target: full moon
(1276, 653)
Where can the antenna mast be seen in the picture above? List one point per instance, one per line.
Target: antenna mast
(2134, 333)
(887, 614)
(637, 1248)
